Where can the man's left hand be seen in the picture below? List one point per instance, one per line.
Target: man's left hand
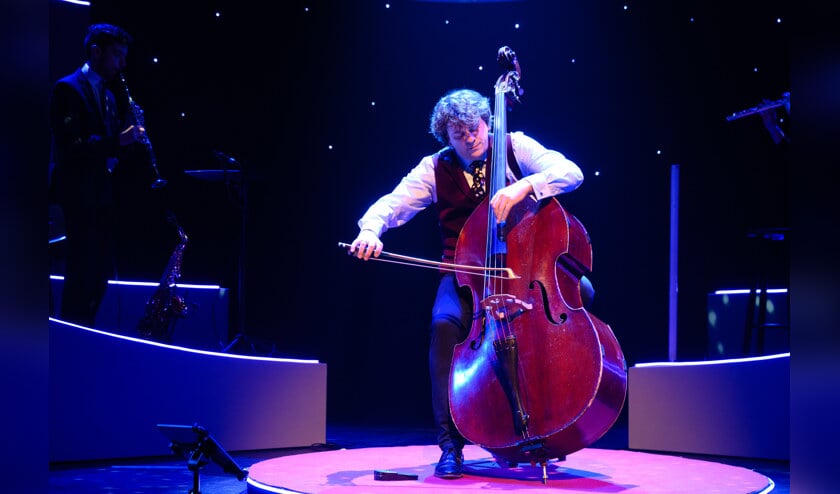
(507, 198)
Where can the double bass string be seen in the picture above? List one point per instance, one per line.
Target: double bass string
(496, 246)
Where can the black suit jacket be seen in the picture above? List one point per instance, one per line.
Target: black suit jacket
(82, 144)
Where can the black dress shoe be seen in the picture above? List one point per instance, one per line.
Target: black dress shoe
(450, 465)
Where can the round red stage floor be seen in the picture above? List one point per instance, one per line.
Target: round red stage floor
(351, 471)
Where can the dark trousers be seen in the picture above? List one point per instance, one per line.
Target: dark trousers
(451, 322)
(89, 263)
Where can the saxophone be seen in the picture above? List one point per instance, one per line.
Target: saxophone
(165, 306)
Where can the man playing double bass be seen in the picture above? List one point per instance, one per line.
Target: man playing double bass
(453, 179)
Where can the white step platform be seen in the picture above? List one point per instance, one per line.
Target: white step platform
(736, 407)
(205, 326)
(108, 392)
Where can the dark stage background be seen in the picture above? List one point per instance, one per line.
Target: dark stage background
(324, 106)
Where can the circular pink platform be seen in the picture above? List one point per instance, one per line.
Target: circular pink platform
(589, 470)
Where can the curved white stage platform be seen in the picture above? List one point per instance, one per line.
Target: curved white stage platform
(735, 407)
(108, 393)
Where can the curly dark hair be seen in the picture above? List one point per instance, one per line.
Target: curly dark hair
(460, 107)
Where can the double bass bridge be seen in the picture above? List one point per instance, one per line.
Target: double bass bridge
(504, 308)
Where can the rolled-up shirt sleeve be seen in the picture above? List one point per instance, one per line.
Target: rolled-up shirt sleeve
(548, 171)
(414, 193)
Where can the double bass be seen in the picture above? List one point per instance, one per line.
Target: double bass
(538, 377)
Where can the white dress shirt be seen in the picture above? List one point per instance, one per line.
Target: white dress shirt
(549, 172)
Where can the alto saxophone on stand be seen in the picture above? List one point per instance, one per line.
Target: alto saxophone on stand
(164, 307)
(137, 116)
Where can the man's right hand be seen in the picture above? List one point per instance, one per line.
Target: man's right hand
(365, 245)
(132, 134)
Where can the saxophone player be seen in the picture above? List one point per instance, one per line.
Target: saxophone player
(89, 133)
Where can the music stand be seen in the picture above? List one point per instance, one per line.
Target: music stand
(197, 445)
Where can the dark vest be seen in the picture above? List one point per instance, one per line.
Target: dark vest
(455, 202)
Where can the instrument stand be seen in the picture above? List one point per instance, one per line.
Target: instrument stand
(763, 261)
(251, 343)
(195, 463)
(236, 339)
(197, 445)
(240, 261)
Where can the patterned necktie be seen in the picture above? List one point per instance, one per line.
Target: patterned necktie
(477, 187)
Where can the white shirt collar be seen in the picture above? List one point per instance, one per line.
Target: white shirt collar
(94, 78)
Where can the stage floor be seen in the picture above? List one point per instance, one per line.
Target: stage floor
(353, 451)
(586, 471)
